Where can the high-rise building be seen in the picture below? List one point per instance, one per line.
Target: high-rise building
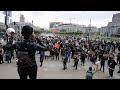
(22, 18)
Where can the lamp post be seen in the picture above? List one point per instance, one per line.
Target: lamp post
(89, 29)
(32, 23)
(6, 22)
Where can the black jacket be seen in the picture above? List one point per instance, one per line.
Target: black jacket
(26, 46)
(111, 64)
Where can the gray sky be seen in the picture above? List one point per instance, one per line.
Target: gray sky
(43, 18)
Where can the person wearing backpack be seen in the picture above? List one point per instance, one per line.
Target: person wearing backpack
(26, 65)
(91, 72)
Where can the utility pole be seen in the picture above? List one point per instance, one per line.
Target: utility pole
(89, 29)
(32, 23)
(6, 22)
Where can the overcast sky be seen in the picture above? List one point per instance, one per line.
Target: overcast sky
(43, 18)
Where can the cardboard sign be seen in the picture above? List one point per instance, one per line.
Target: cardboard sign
(47, 53)
(97, 62)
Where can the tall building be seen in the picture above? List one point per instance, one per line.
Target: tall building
(113, 27)
(22, 18)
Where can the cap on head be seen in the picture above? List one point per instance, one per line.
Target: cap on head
(27, 31)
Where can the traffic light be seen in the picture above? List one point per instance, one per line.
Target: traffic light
(14, 23)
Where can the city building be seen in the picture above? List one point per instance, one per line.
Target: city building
(113, 28)
(104, 31)
(69, 27)
(22, 18)
(18, 25)
(2, 25)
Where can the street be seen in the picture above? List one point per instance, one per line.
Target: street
(53, 69)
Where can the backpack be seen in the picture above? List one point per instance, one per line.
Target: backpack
(89, 74)
(24, 59)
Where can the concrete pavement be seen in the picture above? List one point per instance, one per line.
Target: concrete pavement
(52, 69)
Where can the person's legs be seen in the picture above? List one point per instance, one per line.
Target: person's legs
(2, 59)
(83, 62)
(110, 73)
(76, 65)
(22, 72)
(119, 66)
(41, 60)
(58, 57)
(33, 72)
(63, 65)
(103, 66)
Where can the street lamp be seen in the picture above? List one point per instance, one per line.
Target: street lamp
(89, 29)
(32, 23)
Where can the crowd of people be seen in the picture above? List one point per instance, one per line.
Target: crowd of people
(66, 47)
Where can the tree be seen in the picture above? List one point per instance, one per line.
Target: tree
(62, 30)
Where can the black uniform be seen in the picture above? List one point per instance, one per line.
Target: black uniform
(30, 47)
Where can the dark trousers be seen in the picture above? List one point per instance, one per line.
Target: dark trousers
(64, 65)
(82, 62)
(100, 57)
(25, 72)
(102, 65)
(57, 56)
(76, 64)
(12, 54)
(41, 60)
(8, 58)
(118, 60)
(111, 72)
(1, 59)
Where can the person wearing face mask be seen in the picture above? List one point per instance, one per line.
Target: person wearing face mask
(26, 49)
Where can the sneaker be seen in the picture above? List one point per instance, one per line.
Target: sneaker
(110, 77)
